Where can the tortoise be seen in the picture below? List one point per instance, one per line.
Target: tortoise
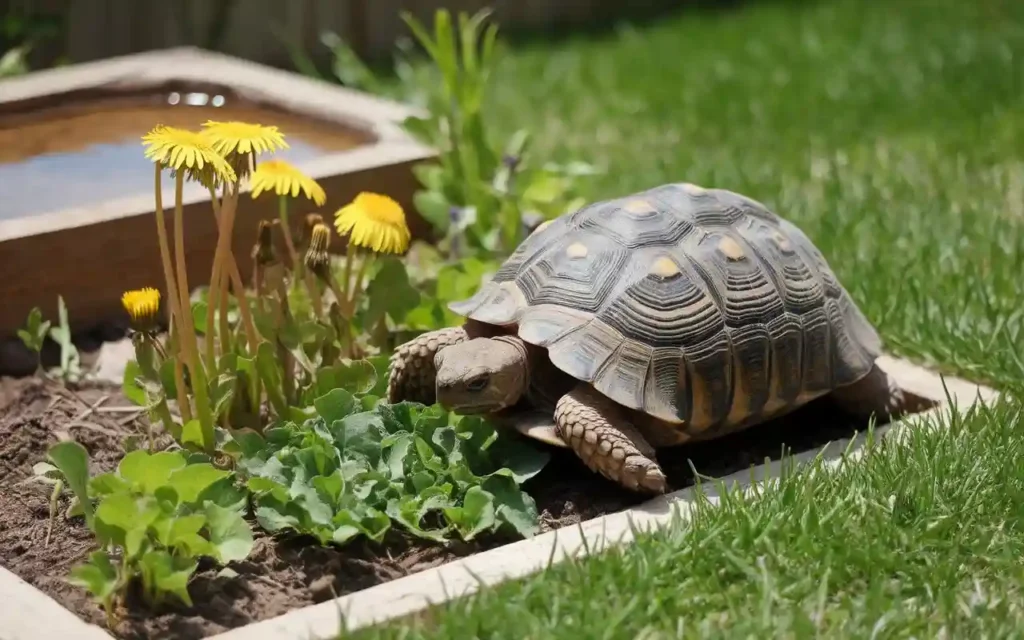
(675, 314)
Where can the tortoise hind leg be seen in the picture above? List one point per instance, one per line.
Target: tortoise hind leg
(411, 372)
(596, 430)
(875, 394)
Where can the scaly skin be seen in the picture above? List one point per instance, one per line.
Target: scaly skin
(411, 372)
(875, 394)
(607, 443)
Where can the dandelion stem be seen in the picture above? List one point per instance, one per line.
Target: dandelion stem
(195, 368)
(357, 284)
(172, 292)
(213, 291)
(350, 252)
(287, 231)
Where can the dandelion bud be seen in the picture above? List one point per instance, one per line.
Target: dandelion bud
(263, 253)
(317, 257)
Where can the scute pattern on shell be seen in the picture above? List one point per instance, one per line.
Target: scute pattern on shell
(698, 306)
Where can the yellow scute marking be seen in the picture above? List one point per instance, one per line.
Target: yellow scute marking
(542, 226)
(664, 267)
(637, 206)
(693, 189)
(731, 248)
(783, 242)
(576, 250)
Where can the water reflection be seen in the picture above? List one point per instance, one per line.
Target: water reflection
(95, 153)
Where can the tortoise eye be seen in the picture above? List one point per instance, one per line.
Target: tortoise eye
(477, 384)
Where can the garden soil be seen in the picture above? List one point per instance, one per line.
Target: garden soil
(283, 574)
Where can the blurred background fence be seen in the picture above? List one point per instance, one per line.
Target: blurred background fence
(263, 30)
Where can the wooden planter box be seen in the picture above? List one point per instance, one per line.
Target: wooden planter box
(90, 254)
(24, 605)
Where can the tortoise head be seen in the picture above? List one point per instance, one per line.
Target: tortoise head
(482, 375)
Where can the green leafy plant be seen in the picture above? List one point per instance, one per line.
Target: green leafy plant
(481, 195)
(479, 192)
(37, 330)
(358, 466)
(34, 335)
(154, 517)
(70, 369)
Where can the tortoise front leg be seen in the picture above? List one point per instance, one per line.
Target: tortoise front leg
(411, 371)
(594, 427)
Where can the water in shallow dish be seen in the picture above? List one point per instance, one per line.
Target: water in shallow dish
(73, 156)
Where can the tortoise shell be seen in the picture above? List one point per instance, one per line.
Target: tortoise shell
(692, 305)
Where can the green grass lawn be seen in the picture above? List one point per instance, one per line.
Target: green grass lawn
(893, 134)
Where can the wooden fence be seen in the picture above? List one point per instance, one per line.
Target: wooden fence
(258, 29)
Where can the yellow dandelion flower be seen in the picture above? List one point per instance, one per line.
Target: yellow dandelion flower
(189, 151)
(285, 179)
(243, 137)
(239, 141)
(317, 256)
(375, 221)
(142, 306)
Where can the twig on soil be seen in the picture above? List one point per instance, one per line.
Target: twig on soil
(92, 426)
(91, 408)
(119, 410)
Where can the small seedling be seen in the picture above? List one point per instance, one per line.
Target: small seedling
(34, 335)
(70, 365)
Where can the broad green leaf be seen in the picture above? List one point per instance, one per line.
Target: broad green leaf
(182, 533)
(429, 420)
(305, 496)
(149, 471)
(344, 533)
(274, 515)
(513, 506)
(97, 575)
(380, 366)
(335, 405)
(396, 418)
(359, 434)
(410, 511)
(269, 369)
(224, 493)
(120, 513)
(476, 514)
(135, 542)
(266, 485)
(167, 379)
(192, 434)
(397, 454)
(222, 393)
(447, 440)
(391, 293)
(249, 442)
(106, 484)
(229, 533)
(330, 487)
(73, 461)
(130, 386)
(423, 480)
(358, 377)
(246, 368)
(428, 456)
(523, 459)
(192, 480)
(199, 308)
(434, 207)
(163, 574)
